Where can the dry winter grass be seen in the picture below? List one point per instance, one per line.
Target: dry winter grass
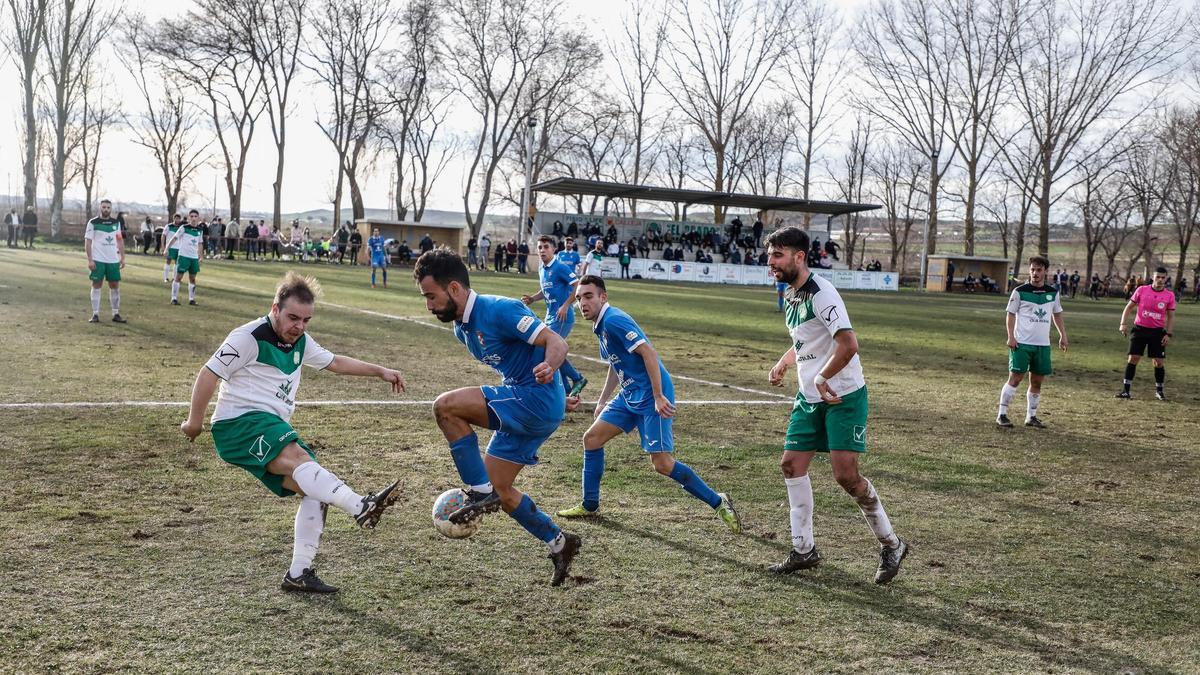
(127, 548)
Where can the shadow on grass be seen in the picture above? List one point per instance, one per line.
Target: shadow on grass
(835, 585)
(390, 632)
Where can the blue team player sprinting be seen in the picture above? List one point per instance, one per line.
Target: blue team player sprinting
(377, 247)
(558, 290)
(523, 411)
(646, 402)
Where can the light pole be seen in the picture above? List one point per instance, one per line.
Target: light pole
(530, 125)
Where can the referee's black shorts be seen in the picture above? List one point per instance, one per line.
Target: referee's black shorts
(1148, 341)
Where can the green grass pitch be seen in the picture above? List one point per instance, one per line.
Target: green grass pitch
(127, 548)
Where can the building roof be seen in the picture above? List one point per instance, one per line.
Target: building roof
(580, 186)
(975, 258)
(406, 223)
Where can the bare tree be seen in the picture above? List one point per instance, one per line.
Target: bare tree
(1074, 60)
(348, 38)
(1020, 169)
(432, 150)
(167, 124)
(851, 184)
(1180, 137)
(23, 37)
(772, 133)
(71, 34)
(719, 54)
(201, 50)
(1147, 170)
(812, 79)
(983, 31)
(637, 56)
(908, 60)
(1102, 198)
(99, 112)
(504, 45)
(895, 173)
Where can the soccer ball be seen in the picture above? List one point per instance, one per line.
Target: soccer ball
(448, 502)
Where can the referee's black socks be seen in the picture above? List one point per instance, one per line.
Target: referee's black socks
(1130, 369)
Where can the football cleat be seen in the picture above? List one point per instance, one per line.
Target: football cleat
(478, 503)
(562, 559)
(192, 302)
(1003, 422)
(889, 562)
(307, 582)
(728, 514)
(579, 511)
(577, 388)
(95, 319)
(117, 318)
(1160, 395)
(797, 561)
(1035, 423)
(1122, 394)
(374, 504)
(174, 301)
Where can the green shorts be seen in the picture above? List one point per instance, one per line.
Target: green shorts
(252, 441)
(821, 427)
(106, 271)
(1030, 359)
(172, 253)
(187, 265)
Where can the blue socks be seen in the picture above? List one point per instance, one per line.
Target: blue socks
(467, 460)
(593, 469)
(570, 375)
(534, 520)
(385, 275)
(372, 276)
(683, 474)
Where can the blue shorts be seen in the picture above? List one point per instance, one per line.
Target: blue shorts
(780, 287)
(561, 329)
(378, 260)
(523, 418)
(654, 430)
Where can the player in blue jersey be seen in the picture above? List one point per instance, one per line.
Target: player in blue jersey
(558, 290)
(570, 256)
(523, 411)
(375, 245)
(780, 288)
(646, 402)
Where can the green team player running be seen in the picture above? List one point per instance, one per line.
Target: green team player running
(258, 367)
(830, 413)
(1032, 307)
(186, 242)
(105, 249)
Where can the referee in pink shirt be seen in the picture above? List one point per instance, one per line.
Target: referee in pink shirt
(1155, 305)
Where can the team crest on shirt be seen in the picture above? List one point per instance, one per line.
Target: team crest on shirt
(1162, 305)
(1049, 296)
(524, 324)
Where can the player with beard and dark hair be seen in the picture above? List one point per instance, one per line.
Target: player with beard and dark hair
(523, 411)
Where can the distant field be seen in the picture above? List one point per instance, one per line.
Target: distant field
(1071, 549)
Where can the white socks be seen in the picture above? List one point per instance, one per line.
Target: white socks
(872, 510)
(322, 484)
(800, 498)
(166, 271)
(114, 299)
(310, 522)
(1034, 400)
(191, 291)
(1006, 396)
(95, 301)
(174, 290)
(556, 544)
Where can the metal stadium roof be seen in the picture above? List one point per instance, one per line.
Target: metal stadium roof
(610, 191)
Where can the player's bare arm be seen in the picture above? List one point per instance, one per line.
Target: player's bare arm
(87, 248)
(1062, 331)
(556, 353)
(1010, 324)
(121, 248)
(847, 347)
(649, 355)
(1129, 307)
(1170, 327)
(561, 314)
(202, 393)
(345, 365)
(781, 367)
(530, 299)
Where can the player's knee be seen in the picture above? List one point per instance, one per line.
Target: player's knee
(1158, 363)
(510, 497)
(791, 469)
(663, 462)
(592, 439)
(847, 477)
(443, 407)
(1134, 359)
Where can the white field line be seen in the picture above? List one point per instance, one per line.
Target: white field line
(401, 402)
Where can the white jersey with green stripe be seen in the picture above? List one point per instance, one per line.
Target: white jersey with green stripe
(261, 372)
(171, 230)
(188, 241)
(815, 313)
(104, 234)
(1035, 307)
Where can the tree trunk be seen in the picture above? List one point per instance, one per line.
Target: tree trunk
(719, 184)
(934, 180)
(277, 186)
(969, 216)
(337, 198)
(31, 141)
(1019, 243)
(1044, 215)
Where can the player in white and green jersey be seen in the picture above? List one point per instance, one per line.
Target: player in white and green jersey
(1032, 307)
(171, 253)
(830, 413)
(105, 249)
(188, 242)
(258, 367)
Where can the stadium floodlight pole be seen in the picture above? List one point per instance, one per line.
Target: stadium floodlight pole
(530, 125)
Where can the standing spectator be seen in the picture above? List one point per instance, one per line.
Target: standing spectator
(573, 229)
(522, 257)
(426, 244)
(262, 239)
(1094, 287)
(1075, 283)
(296, 241)
(613, 249)
(558, 231)
(274, 237)
(123, 226)
(250, 240)
(30, 225)
(499, 261)
(14, 227)
(485, 244)
(355, 245)
(611, 234)
(232, 229)
(624, 259)
(758, 230)
(949, 276)
(473, 251)
(510, 254)
(644, 245)
(831, 247)
(343, 242)
(146, 234)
